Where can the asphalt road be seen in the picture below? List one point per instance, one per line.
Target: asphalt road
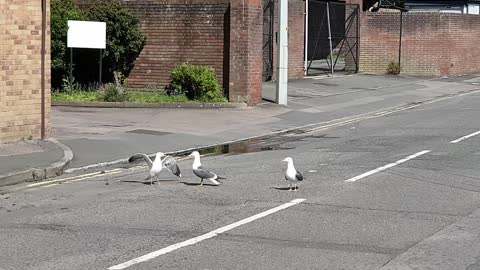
(409, 212)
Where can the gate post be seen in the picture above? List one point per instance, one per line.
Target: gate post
(282, 78)
(246, 61)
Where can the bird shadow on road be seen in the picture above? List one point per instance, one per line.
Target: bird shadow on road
(198, 184)
(283, 188)
(148, 181)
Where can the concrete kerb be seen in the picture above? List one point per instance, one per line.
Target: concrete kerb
(39, 174)
(150, 105)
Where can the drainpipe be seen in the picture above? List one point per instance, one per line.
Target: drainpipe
(42, 68)
(400, 40)
(305, 63)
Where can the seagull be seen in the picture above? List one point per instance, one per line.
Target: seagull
(291, 174)
(201, 172)
(157, 165)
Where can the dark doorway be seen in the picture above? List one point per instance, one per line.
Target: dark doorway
(268, 20)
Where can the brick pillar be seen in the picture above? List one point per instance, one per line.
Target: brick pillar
(246, 62)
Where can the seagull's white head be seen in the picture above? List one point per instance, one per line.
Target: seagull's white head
(160, 154)
(288, 159)
(196, 159)
(194, 154)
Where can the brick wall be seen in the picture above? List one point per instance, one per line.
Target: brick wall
(246, 62)
(432, 44)
(296, 39)
(464, 44)
(180, 31)
(20, 84)
(379, 34)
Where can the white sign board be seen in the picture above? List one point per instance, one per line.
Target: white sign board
(83, 34)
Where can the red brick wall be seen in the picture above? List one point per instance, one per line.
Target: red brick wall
(432, 44)
(296, 39)
(464, 44)
(178, 31)
(379, 34)
(246, 62)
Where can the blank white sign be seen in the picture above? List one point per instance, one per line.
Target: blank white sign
(84, 34)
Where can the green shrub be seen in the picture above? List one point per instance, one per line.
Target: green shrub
(114, 92)
(61, 12)
(393, 68)
(125, 39)
(196, 82)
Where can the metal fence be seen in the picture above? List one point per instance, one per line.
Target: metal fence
(332, 41)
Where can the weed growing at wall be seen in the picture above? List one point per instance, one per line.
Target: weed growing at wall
(393, 68)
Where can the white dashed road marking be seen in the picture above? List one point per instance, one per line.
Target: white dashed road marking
(387, 166)
(465, 137)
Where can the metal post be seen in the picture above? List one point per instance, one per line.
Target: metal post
(330, 37)
(100, 67)
(305, 68)
(282, 71)
(71, 64)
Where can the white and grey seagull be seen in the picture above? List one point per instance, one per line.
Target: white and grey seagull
(157, 165)
(291, 174)
(203, 173)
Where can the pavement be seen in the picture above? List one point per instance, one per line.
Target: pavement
(414, 204)
(103, 136)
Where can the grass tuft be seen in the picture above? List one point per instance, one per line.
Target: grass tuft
(136, 97)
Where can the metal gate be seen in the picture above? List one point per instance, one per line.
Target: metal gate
(332, 44)
(268, 19)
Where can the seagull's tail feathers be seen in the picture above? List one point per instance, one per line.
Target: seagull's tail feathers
(218, 178)
(214, 181)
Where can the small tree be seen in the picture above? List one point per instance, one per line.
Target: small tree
(125, 39)
(61, 12)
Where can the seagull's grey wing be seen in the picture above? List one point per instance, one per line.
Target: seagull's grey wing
(139, 156)
(171, 165)
(299, 176)
(203, 173)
